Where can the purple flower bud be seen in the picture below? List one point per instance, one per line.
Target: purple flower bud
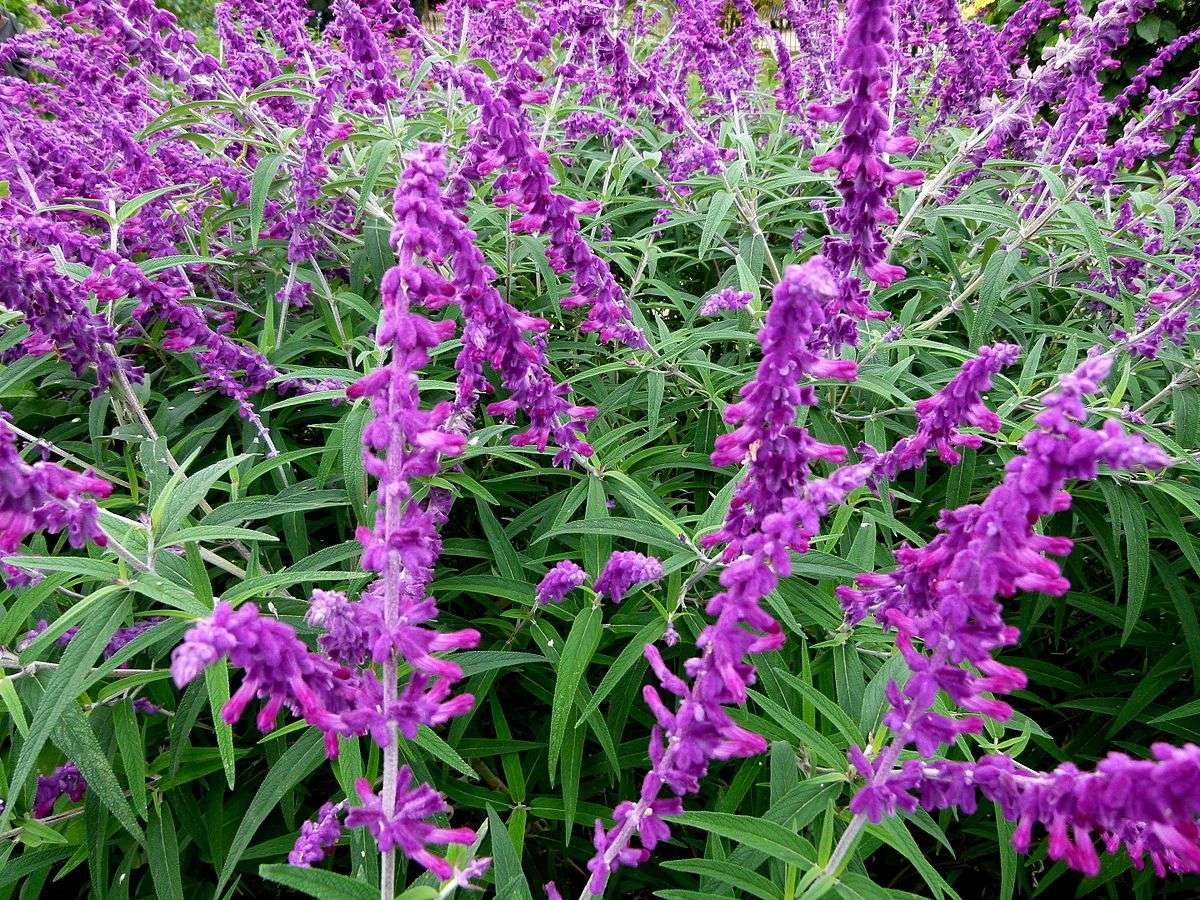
(66, 779)
(559, 581)
(727, 298)
(318, 836)
(624, 570)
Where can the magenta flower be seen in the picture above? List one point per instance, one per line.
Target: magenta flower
(494, 331)
(866, 180)
(726, 298)
(625, 570)
(318, 835)
(502, 140)
(408, 828)
(559, 581)
(945, 593)
(780, 454)
(45, 496)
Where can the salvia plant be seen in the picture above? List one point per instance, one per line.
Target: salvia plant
(569, 448)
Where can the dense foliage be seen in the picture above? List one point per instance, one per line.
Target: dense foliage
(610, 451)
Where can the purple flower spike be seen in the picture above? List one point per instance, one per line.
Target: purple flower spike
(409, 829)
(624, 570)
(318, 836)
(865, 180)
(1147, 806)
(727, 298)
(45, 497)
(943, 603)
(503, 140)
(780, 454)
(940, 418)
(495, 332)
(559, 581)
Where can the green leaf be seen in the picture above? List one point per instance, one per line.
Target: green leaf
(766, 837)
(319, 883)
(837, 716)
(375, 162)
(718, 210)
(1008, 856)
(162, 263)
(509, 880)
(300, 761)
(629, 530)
(503, 552)
(894, 833)
(162, 849)
(74, 736)
(216, 680)
(1085, 217)
(129, 208)
(133, 754)
(12, 703)
(727, 873)
(632, 652)
(581, 645)
(353, 472)
(183, 493)
(63, 685)
(473, 662)
(1135, 528)
(428, 740)
(260, 184)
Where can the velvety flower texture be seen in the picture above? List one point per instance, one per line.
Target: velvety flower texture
(940, 420)
(66, 779)
(56, 311)
(726, 298)
(559, 581)
(408, 828)
(494, 331)
(625, 570)
(318, 835)
(1147, 806)
(941, 417)
(502, 139)
(45, 496)
(945, 593)
(685, 741)
(779, 454)
(280, 669)
(865, 180)
(403, 442)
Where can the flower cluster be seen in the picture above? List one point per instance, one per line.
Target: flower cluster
(279, 669)
(151, 193)
(944, 595)
(941, 417)
(685, 741)
(502, 140)
(779, 453)
(45, 496)
(866, 180)
(494, 330)
(726, 298)
(625, 570)
(408, 827)
(1148, 807)
(318, 836)
(559, 581)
